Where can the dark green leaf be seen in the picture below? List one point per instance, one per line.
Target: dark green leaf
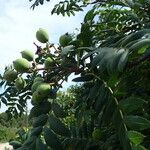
(131, 104)
(58, 126)
(4, 100)
(84, 78)
(138, 147)
(40, 145)
(58, 111)
(51, 139)
(137, 123)
(89, 16)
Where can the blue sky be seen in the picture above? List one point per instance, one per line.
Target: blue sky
(18, 24)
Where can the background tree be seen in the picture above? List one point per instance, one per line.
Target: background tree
(111, 55)
(9, 127)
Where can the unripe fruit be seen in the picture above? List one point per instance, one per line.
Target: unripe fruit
(48, 62)
(42, 35)
(27, 55)
(43, 89)
(97, 134)
(65, 39)
(38, 79)
(35, 85)
(10, 75)
(21, 65)
(20, 83)
(36, 97)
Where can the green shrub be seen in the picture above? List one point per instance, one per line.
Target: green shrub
(7, 133)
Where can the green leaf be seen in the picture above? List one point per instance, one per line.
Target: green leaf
(30, 142)
(68, 13)
(131, 104)
(135, 137)
(138, 147)
(103, 98)
(51, 139)
(40, 145)
(89, 16)
(67, 49)
(108, 111)
(40, 120)
(58, 111)
(113, 60)
(38, 110)
(53, 10)
(62, 8)
(36, 131)
(139, 45)
(97, 59)
(117, 3)
(126, 145)
(4, 100)
(137, 123)
(58, 11)
(123, 61)
(84, 78)
(15, 144)
(58, 126)
(134, 36)
(143, 50)
(72, 12)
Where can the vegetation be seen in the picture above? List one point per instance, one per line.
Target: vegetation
(10, 127)
(110, 55)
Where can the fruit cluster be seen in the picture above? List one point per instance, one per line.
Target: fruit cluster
(41, 87)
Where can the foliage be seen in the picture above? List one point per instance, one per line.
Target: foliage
(67, 7)
(9, 127)
(110, 55)
(7, 133)
(19, 121)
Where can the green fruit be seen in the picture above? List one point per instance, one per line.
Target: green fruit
(35, 85)
(20, 83)
(48, 62)
(38, 79)
(36, 97)
(43, 89)
(42, 35)
(21, 65)
(97, 134)
(65, 39)
(27, 55)
(10, 75)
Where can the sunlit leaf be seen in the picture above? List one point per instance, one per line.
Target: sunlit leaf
(135, 137)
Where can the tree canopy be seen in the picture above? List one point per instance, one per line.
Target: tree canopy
(110, 55)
